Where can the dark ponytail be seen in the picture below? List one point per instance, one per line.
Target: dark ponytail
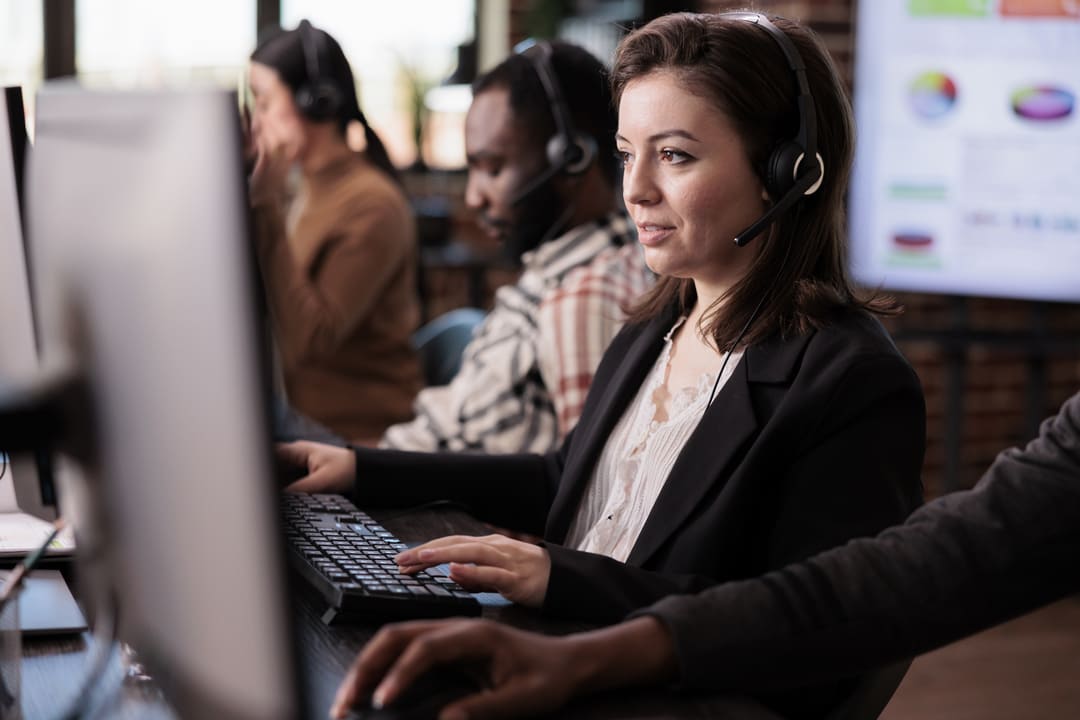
(375, 149)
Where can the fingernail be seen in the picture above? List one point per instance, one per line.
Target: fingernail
(339, 708)
(378, 698)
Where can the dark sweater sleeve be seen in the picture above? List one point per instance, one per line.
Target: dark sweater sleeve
(963, 563)
(510, 491)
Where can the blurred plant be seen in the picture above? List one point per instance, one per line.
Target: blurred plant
(418, 110)
(545, 16)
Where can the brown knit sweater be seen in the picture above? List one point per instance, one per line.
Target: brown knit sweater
(343, 298)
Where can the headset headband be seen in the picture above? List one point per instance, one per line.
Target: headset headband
(807, 135)
(539, 54)
(311, 53)
(783, 169)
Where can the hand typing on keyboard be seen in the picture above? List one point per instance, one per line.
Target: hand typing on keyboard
(348, 558)
(321, 468)
(516, 570)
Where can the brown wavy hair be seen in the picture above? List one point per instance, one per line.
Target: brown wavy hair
(799, 275)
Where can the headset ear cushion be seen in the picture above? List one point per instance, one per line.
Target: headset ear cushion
(571, 157)
(319, 101)
(780, 169)
(586, 147)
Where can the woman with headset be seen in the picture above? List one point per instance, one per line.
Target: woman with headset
(753, 411)
(338, 250)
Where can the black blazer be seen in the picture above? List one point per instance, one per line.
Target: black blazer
(813, 441)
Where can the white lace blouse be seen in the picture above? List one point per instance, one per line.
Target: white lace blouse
(637, 459)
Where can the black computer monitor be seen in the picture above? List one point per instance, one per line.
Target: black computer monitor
(144, 275)
(30, 474)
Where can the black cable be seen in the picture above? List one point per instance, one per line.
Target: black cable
(727, 355)
(749, 322)
(92, 563)
(104, 647)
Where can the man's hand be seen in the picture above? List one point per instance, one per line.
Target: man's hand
(330, 469)
(527, 673)
(516, 570)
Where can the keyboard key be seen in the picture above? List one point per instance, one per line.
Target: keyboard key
(349, 559)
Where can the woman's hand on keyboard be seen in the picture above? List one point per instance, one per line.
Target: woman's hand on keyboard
(516, 570)
(329, 469)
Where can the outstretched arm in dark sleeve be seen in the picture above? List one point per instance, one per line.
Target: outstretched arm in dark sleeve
(963, 563)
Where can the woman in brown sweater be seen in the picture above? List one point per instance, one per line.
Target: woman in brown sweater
(338, 254)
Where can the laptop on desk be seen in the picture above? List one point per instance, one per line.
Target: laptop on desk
(46, 605)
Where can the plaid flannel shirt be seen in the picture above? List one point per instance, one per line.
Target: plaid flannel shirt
(525, 374)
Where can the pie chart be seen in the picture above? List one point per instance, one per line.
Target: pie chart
(1042, 102)
(932, 94)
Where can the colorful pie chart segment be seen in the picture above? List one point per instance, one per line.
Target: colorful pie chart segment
(1042, 102)
(932, 95)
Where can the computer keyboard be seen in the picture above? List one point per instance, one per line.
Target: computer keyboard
(349, 559)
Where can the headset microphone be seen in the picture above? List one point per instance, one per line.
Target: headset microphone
(785, 177)
(534, 184)
(805, 185)
(567, 151)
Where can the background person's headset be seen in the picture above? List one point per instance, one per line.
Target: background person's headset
(567, 151)
(787, 177)
(319, 99)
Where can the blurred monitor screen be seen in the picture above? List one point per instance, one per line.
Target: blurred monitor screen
(18, 352)
(966, 176)
(27, 484)
(138, 223)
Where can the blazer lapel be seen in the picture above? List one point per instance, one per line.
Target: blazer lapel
(594, 428)
(712, 450)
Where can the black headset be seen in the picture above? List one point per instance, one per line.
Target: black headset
(787, 178)
(318, 99)
(567, 151)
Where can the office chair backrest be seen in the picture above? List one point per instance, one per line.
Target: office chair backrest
(441, 342)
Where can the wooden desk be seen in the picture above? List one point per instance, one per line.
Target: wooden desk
(53, 668)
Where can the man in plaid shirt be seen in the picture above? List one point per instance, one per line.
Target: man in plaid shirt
(525, 374)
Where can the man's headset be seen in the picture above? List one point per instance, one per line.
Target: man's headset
(787, 178)
(318, 98)
(567, 151)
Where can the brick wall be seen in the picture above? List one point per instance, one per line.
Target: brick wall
(1013, 362)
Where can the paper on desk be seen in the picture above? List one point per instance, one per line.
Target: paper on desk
(20, 533)
(7, 487)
